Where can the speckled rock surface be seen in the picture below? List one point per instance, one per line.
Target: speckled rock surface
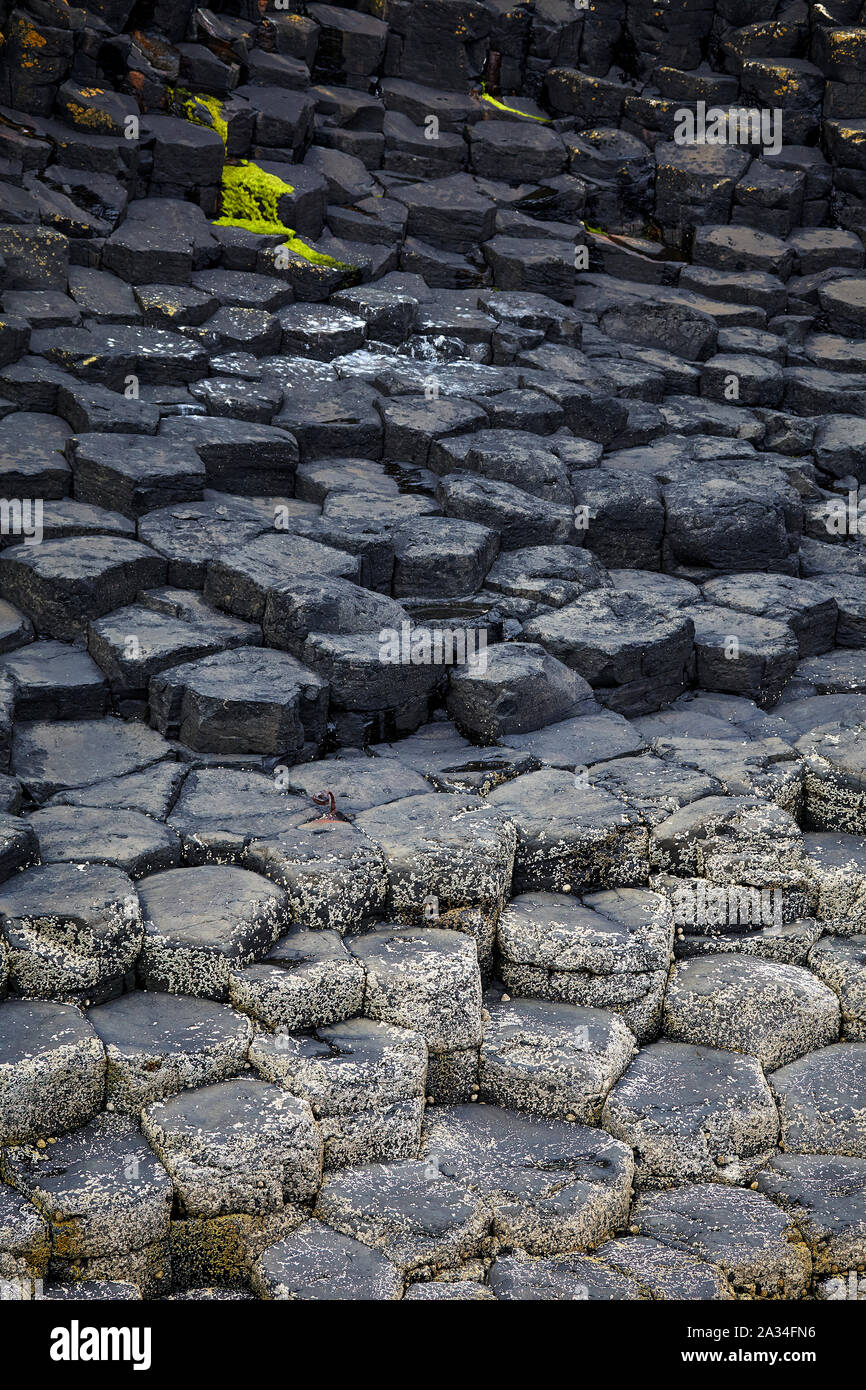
(433, 651)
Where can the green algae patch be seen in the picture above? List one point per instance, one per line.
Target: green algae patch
(200, 109)
(300, 248)
(251, 200)
(512, 110)
(250, 195)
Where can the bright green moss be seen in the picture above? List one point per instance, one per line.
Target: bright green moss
(250, 195)
(300, 248)
(201, 109)
(512, 110)
(251, 200)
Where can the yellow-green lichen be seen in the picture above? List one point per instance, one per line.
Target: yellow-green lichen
(250, 195)
(512, 110)
(300, 248)
(251, 200)
(201, 109)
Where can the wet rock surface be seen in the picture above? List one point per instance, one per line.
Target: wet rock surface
(432, 652)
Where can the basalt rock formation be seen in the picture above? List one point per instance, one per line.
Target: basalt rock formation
(433, 649)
